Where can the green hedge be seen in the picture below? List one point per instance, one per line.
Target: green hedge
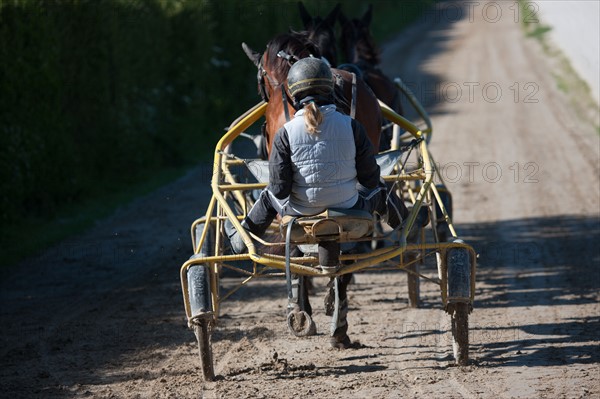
(98, 95)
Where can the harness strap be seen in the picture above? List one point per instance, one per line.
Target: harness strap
(285, 103)
(353, 103)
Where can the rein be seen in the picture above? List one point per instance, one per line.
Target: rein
(290, 58)
(262, 74)
(286, 99)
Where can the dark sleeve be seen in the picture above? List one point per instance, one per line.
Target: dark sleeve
(280, 166)
(367, 169)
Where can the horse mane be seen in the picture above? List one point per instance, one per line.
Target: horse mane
(367, 50)
(294, 43)
(298, 44)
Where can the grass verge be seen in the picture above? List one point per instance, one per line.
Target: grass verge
(567, 79)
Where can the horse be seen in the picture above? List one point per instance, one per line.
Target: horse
(353, 97)
(361, 51)
(321, 31)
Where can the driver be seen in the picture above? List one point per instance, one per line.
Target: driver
(320, 159)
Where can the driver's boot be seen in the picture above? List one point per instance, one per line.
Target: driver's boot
(235, 239)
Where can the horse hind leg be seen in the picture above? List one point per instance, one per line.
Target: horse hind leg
(304, 287)
(339, 311)
(299, 317)
(299, 311)
(304, 284)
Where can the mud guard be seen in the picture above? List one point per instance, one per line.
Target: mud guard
(458, 261)
(199, 289)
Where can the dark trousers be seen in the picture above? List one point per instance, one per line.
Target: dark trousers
(379, 200)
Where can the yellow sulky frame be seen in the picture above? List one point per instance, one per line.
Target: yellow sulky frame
(223, 184)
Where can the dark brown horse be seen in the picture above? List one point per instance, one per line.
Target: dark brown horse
(351, 94)
(273, 66)
(360, 49)
(321, 31)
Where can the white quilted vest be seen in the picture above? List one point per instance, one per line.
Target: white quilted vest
(324, 169)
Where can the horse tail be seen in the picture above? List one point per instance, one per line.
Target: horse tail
(312, 118)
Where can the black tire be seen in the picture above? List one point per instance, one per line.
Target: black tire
(414, 290)
(460, 333)
(202, 332)
(208, 247)
(443, 231)
(413, 281)
(199, 276)
(201, 302)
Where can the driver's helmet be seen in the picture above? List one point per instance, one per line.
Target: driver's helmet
(310, 79)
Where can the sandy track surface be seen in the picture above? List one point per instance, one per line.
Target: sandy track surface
(101, 315)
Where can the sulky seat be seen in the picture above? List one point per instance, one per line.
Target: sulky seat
(335, 224)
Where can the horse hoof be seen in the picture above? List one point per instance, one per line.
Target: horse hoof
(301, 324)
(341, 342)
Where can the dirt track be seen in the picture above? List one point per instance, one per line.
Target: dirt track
(101, 315)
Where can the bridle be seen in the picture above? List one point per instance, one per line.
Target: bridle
(263, 74)
(260, 77)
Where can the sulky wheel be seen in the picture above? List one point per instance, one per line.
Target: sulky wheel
(200, 302)
(459, 265)
(209, 243)
(202, 331)
(413, 285)
(412, 280)
(199, 276)
(460, 333)
(416, 235)
(300, 323)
